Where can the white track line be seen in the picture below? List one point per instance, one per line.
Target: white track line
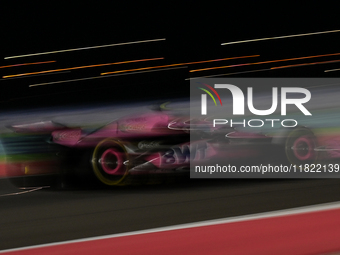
(257, 216)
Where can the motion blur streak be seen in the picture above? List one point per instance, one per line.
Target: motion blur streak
(26, 190)
(81, 67)
(84, 48)
(264, 62)
(107, 76)
(280, 37)
(26, 64)
(26, 74)
(179, 64)
(306, 64)
(217, 75)
(35, 75)
(268, 69)
(138, 69)
(332, 70)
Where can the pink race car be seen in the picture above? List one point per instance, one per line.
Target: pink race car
(150, 143)
(132, 146)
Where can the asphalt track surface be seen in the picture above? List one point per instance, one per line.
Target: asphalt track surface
(52, 215)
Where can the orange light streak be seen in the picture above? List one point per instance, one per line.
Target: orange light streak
(179, 64)
(264, 62)
(106, 76)
(25, 64)
(305, 64)
(80, 67)
(268, 69)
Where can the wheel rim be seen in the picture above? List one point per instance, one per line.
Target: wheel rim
(303, 148)
(111, 162)
(300, 147)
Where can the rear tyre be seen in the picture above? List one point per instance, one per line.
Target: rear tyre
(110, 162)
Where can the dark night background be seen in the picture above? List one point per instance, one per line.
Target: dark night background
(193, 33)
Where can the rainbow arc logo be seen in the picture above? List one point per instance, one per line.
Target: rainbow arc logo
(204, 98)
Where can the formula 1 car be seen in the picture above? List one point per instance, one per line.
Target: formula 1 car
(150, 143)
(145, 144)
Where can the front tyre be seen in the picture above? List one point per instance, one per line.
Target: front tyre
(300, 146)
(110, 162)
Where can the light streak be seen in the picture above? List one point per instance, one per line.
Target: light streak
(179, 64)
(217, 75)
(26, 74)
(280, 37)
(138, 69)
(80, 67)
(25, 64)
(34, 75)
(332, 70)
(106, 76)
(26, 190)
(264, 62)
(84, 48)
(268, 69)
(305, 64)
